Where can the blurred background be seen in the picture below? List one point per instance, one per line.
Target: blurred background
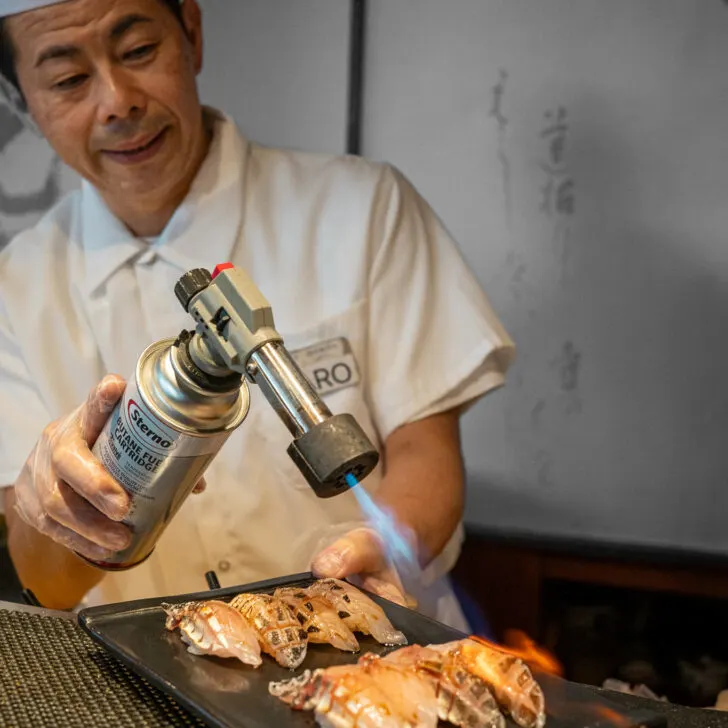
(576, 150)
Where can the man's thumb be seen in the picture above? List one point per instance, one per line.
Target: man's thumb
(100, 402)
(357, 552)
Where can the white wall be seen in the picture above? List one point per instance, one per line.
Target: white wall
(614, 423)
(280, 68)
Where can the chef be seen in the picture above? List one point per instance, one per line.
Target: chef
(363, 279)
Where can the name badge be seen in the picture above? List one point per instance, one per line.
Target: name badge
(329, 365)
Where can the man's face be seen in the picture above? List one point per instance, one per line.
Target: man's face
(111, 84)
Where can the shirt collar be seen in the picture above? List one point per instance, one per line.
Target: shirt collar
(201, 233)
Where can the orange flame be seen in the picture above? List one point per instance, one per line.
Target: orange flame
(616, 719)
(587, 713)
(519, 644)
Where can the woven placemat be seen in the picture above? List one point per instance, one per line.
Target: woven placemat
(53, 674)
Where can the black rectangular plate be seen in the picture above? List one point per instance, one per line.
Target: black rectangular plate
(227, 694)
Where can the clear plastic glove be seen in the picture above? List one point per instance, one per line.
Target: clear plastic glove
(65, 493)
(360, 555)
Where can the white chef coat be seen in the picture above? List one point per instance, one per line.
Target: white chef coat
(348, 254)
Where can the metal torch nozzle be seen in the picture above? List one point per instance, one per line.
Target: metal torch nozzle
(326, 447)
(235, 331)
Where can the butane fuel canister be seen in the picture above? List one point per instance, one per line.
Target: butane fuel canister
(168, 426)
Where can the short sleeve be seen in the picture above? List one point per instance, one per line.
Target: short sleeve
(434, 340)
(22, 412)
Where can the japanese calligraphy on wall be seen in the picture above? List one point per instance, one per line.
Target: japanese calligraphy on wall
(558, 187)
(558, 195)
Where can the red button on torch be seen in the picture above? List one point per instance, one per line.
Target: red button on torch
(220, 268)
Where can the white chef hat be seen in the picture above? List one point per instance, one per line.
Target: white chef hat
(12, 7)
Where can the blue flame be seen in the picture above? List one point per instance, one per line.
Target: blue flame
(399, 549)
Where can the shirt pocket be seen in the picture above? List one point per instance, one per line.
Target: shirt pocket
(331, 354)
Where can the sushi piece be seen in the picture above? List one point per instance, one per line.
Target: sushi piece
(319, 619)
(214, 628)
(463, 699)
(279, 632)
(515, 689)
(410, 692)
(345, 697)
(358, 612)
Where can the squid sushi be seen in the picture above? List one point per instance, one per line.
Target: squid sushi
(319, 619)
(509, 678)
(358, 612)
(214, 628)
(279, 632)
(463, 699)
(350, 697)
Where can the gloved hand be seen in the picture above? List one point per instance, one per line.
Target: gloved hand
(65, 493)
(360, 555)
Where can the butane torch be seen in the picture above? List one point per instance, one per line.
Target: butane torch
(236, 333)
(188, 395)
